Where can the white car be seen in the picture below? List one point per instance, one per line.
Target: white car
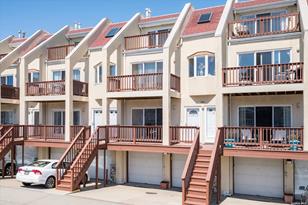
(40, 172)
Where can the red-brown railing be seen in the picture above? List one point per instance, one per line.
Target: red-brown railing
(9, 92)
(270, 25)
(263, 74)
(80, 88)
(175, 83)
(45, 88)
(45, 132)
(71, 153)
(189, 165)
(134, 134)
(59, 52)
(183, 134)
(6, 139)
(150, 81)
(264, 137)
(214, 166)
(152, 40)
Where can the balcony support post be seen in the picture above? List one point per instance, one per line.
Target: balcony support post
(68, 99)
(305, 93)
(23, 109)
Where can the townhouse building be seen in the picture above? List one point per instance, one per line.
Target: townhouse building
(211, 100)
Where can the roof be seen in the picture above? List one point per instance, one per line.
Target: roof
(101, 39)
(81, 30)
(192, 26)
(253, 3)
(157, 18)
(17, 40)
(38, 40)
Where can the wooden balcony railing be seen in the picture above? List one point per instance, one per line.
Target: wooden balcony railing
(80, 88)
(264, 137)
(44, 132)
(183, 134)
(263, 74)
(59, 52)
(9, 92)
(48, 88)
(134, 134)
(175, 82)
(152, 40)
(139, 82)
(270, 25)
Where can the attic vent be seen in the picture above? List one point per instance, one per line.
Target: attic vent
(205, 18)
(112, 32)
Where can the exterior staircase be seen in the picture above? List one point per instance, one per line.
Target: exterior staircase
(7, 134)
(75, 162)
(201, 167)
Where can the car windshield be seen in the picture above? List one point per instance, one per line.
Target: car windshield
(39, 164)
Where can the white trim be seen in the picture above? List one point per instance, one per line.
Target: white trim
(143, 113)
(199, 113)
(144, 62)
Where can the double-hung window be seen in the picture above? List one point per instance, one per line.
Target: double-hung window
(7, 80)
(147, 67)
(98, 74)
(34, 77)
(58, 75)
(76, 74)
(202, 65)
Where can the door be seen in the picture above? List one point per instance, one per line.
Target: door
(59, 122)
(263, 24)
(178, 163)
(34, 117)
(301, 176)
(97, 118)
(145, 168)
(210, 124)
(264, 116)
(258, 177)
(113, 116)
(193, 117)
(265, 58)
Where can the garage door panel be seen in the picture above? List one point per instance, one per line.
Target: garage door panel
(56, 153)
(301, 175)
(261, 177)
(145, 168)
(178, 163)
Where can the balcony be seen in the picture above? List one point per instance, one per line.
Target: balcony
(141, 82)
(9, 92)
(262, 26)
(59, 52)
(264, 138)
(149, 134)
(263, 74)
(151, 40)
(54, 88)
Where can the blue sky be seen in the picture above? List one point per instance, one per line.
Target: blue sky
(51, 15)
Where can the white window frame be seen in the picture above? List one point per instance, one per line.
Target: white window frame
(61, 71)
(206, 65)
(144, 62)
(31, 76)
(6, 76)
(96, 74)
(77, 69)
(143, 113)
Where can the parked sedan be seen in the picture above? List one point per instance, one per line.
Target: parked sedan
(40, 172)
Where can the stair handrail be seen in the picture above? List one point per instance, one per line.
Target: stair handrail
(94, 136)
(189, 164)
(5, 136)
(65, 154)
(215, 159)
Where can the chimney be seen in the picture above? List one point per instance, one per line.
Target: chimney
(75, 25)
(148, 12)
(24, 34)
(19, 33)
(78, 25)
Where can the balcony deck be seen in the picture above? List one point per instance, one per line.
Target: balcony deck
(264, 26)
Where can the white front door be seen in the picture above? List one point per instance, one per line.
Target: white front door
(33, 117)
(97, 118)
(210, 124)
(113, 116)
(193, 117)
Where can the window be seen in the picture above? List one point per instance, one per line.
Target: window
(58, 75)
(76, 74)
(7, 80)
(58, 117)
(112, 32)
(76, 117)
(205, 18)
(7, 117)
(282, 116)
(99, 74)
(147, 67)
(201, 65)
(247, 116)
(112, 70)
(33, 77)
(147, 116)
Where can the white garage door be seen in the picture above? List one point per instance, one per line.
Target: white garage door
(259, 177)
(178, 163)
(145, 168)
(56, 153)
(301, 175)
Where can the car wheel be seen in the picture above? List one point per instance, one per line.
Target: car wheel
(50, 182)
(8, 170)
(26, 184)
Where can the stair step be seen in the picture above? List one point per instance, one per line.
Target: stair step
(194, 201)
(198, 183)
(200, 154)
(200, 174)
(198, 177)
(197, 188)
(196, 196)
(205, 152)
(197, 192)
(203, 159)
